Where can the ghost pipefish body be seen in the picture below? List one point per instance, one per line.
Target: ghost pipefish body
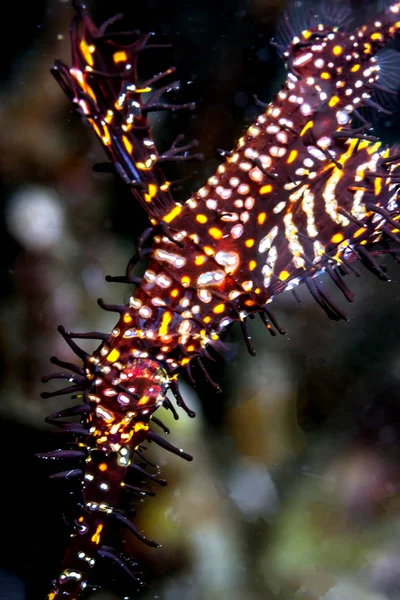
(307, 190)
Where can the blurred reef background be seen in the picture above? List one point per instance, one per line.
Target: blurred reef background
(294, 490)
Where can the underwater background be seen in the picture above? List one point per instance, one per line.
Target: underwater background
(293, 493)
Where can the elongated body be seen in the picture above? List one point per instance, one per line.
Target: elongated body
(302, 193)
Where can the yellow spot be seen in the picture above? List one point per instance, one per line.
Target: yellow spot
(185, 361)
(307, 127)
(96, 535)
(127, 319)
(367, 48)
(173, 213)
(80, 520)
(261, 218)
(207, 319)
(378, 186)
(139, 426)
(252, 265)
(87, 52)
(174, 293)
(306, 34)
(191, 348)
(199, 260)
(120, 56)
(103, 467)
(128, 144)
(257, 291)
(337, 238)
(215, 233)
(355, 68)
(359, 232)
(334, 101)
(337, 50)
(114, 355)
(201, 219)
(325, 75)
(249, 243)
(143, 400)
(153, 189)
(283, 275)
(219, 308)
(292, 157)
(208, 250)
(51, 596)
(109, 116)
(166, 320)
(376, 36)
(185, 281)
(266, 189)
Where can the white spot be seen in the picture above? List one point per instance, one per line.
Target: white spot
(267, 241)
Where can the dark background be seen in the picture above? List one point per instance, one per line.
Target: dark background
(294, 489)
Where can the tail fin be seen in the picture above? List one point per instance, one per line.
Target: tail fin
(103, 84)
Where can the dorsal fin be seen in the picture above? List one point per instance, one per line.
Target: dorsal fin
(301, 15)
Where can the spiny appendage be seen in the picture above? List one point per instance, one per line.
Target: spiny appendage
(107, 452)
(103, 84)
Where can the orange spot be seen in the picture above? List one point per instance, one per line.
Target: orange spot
(143, 400)
(201, 219)
(359, 232)
(215, 233)
(219, 309)
(139, 426)
(185, 281)
(120, 56)
(96, 535)
(252, 265)
(87, 52)
(172, 214)
(199, 260)
(175, 293)
(103, 467)
(127, 143)
(292, 156)
(114, 355)
(283, 275)
(337, 238)
(266, 189)
(307, 127)
(378, 186)
(334, 101)
(249, 243)
(166, 320)
(249, 303)
(262, 217)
